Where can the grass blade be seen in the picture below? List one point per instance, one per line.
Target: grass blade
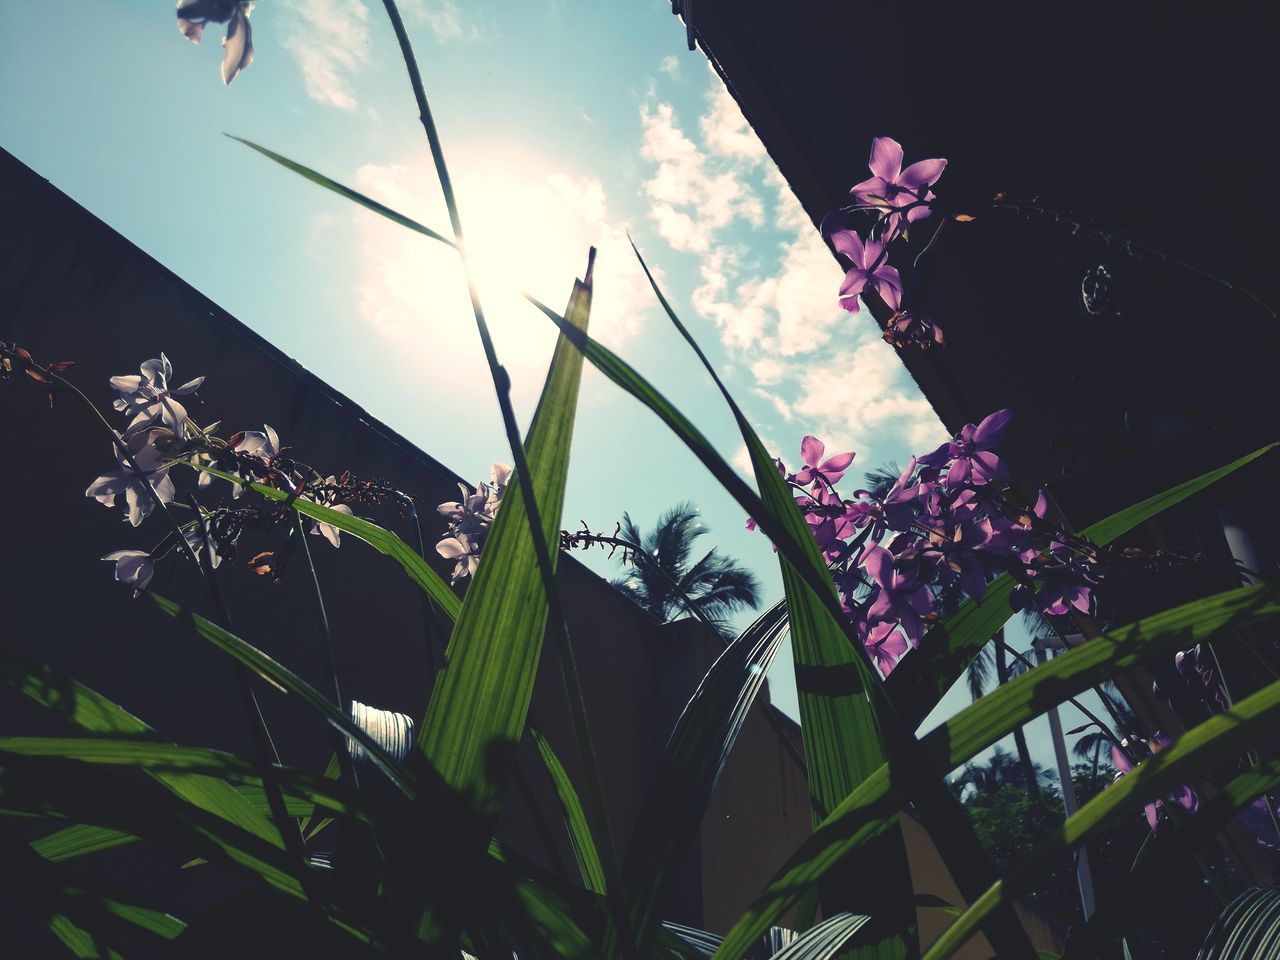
(691, 765)
(346, 192)
(282, 676)
(575, 818)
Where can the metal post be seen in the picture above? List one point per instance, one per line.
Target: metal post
(1084, 877)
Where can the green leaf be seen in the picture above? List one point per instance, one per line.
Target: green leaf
(1247, 929)
(79, 840)
(345, 192)
(282, 676)
(480, 703)
(129, 802)
(575, 818)
(1200, 748)
(382, 540)
(91, 711)
(920, 680)
(987, 721)
(842, 718)
(691, 765)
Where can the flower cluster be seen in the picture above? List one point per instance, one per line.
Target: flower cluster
(896, 198)
(949, 522)
(159, 434)
(469, 521)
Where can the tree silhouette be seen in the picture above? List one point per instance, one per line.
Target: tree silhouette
(716, 584)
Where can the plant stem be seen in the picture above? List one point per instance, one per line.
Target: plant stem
(267, 757)
(502, 387)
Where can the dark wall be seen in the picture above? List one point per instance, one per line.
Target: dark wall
(1137, 122)
(73, 289)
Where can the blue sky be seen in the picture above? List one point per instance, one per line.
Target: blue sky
(566, 123)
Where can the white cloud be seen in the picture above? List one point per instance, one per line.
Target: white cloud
(529, 234)
(670, 65)
(768, 282)
(725, 130)
(688, 202)
(329, 40)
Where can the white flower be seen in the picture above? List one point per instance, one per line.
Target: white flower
(237, 44)
(138, 501)
(462, 549)
(149, 399)
(328, 530)
(470, 519)
(134, 568)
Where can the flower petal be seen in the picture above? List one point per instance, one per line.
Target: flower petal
(922, 173)
(886, 158)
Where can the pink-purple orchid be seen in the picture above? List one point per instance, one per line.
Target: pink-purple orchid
(816, 469)
(1184, 796)
(868, 269)
(891, 188)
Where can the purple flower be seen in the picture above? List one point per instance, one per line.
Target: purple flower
(1184, 796)
(148, 398)
(237, 44)
(894, 512)
(828, 471)
(134, 568)
(885, 644)
(898, 598)
(135, 488)
(969, 454)
(890, 187)
(868, 269)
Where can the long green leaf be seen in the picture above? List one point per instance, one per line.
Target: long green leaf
(381, 539)
(575, 818)
(93, 712)
(480, 704)
(1248, 929)
(843, 715)
(1201, 747)
(346, 192)
(921, 679)
(692, 762)
(282, 676)
(984, 723)
(79, 840)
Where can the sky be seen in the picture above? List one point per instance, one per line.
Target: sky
(566, 124)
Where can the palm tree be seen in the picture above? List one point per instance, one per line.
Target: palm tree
(716, 584)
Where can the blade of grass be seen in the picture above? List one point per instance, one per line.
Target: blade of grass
(575, 818)
(343, 191)
(277, 673)
(691, 765)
